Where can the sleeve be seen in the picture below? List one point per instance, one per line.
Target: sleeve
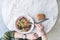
(6, 36)
(39, 38)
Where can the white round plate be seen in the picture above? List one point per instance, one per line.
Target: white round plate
(12, 8)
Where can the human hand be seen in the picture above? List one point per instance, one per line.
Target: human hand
(31, 36)
(18, 35)
(40, 28)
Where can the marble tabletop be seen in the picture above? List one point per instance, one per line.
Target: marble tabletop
(54, 34)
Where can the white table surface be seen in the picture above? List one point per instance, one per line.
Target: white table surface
(54, 34)
(3, 27)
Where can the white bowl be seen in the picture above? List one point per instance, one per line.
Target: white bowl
(32, 25)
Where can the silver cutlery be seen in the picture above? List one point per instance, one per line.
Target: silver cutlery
(40, 21)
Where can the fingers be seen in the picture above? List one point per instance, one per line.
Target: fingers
(38, 24)
(39, 27)
(35, 36)
(32, 36)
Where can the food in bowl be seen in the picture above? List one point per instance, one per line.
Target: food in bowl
(41, 16)
(23, 24)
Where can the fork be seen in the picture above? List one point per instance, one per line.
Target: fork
(40, 21)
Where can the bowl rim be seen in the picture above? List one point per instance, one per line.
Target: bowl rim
(29, 18)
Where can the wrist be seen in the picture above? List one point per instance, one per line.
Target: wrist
(43, 33)
(24, 36)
